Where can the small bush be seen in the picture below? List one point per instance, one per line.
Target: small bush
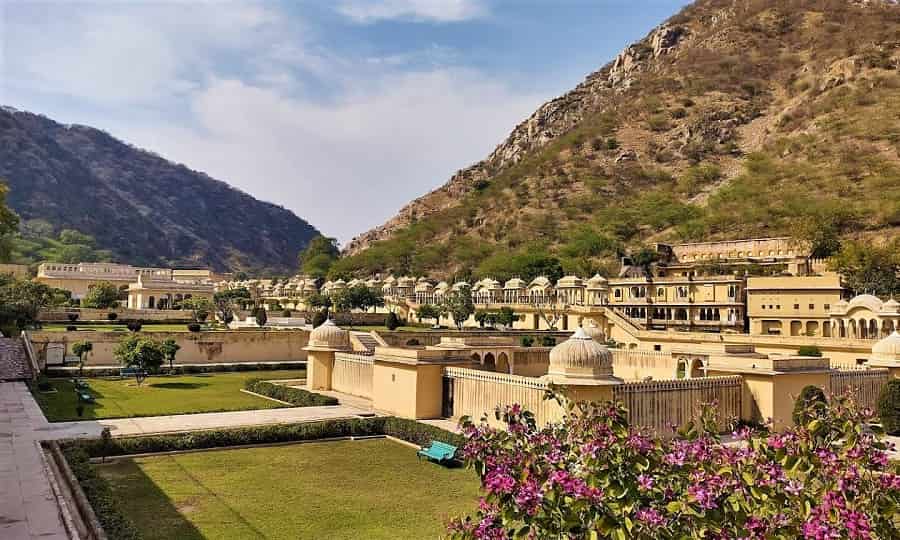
(889, 407)
(194, 327)
(392, 321)
(72, 317)
(548, 341)
(810, 404)
(262, 317)
(134, 326)
(527, 341)
(295, 396)
(286, 313)
(112, 316)
(71, 328)
(319, 318)
(809, 350)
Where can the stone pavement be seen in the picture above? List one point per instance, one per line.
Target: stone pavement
(13, 360)
(28, 508)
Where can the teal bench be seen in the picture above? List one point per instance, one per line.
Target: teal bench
(85, 396)
(438, 451)
(79, 384)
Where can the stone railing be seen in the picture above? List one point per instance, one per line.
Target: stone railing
(352, 374)
(658, 405)
(477, 393)
(864, 384)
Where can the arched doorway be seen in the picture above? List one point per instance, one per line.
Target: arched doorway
(503, 363)
(696, 369)
(490, 363)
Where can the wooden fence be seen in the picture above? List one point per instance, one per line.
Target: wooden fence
(352, 374)
(478, 393)
(864, 384)
(660, 404)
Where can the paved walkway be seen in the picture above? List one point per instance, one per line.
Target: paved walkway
(28, 508)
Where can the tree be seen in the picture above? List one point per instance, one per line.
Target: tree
(262, 317)
(170, 348)
(869, 268)
(392, 321)
(319, 255)
(143, 355)
(507, 317)
(459, 305)
(357, 297)
(82, 349)
(199, 306)
(226, 301)
(9, 224)
(22, 299)
(320, 302)
(430, 311)
(101, 295)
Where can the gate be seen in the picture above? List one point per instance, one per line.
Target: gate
(447, 397)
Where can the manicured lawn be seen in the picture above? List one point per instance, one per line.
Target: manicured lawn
(373, 489)
(159, 395)
(384, 328)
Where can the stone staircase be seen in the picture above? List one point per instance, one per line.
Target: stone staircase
(366, 340)
(14, 365)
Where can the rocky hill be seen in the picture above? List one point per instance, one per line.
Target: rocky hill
(140, 207)
(731, 119)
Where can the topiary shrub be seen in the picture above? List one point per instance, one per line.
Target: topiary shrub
(72, 317)
(527, 341)
(286, 313)
(810, 403)
(262, 317)
(889, 407)
(194, 327)
(548, 341)
(71, 328)
(809, 350)
(134, 326)
(112, 316)
(392, 321)
(319, 318)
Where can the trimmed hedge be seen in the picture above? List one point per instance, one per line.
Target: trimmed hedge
(296, 396)
(116, 525)
(419, 433)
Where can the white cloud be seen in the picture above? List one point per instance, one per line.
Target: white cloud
(368, 11)
(350, 165)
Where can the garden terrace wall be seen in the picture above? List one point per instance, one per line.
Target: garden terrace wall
(352, 374)
(236, 346)
(635, 365)
(122, 314)
(660, 404)
(865, 384)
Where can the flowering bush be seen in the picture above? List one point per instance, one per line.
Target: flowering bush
(593, 476)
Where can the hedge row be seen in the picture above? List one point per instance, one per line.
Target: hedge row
(116, 525)
(296, 396)
(181, 370)
(407, 430)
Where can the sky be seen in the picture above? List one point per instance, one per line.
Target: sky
(340, 110)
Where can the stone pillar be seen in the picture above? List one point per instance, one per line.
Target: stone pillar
(319, 367)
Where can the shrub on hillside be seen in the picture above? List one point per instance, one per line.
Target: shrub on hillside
(811, 403)
(889, 407)
(295, 396)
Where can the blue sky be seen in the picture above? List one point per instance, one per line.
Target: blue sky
(341, 111)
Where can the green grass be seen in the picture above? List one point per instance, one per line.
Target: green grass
(374, 489)
(159, 395)
(398, 329)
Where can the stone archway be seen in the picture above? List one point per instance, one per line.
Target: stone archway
(503, 363)
(476, 358)
(490, 362)
(696, 370)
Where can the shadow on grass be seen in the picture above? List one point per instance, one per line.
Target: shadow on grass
(178, 385)
(147, 506)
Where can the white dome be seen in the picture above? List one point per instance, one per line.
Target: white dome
(580, 357)
(887, 349)
(329, 336)
(868, 301)
(891, 307)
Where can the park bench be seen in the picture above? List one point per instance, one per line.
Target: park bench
(438, 451)
(79, 384)
(83, 393)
